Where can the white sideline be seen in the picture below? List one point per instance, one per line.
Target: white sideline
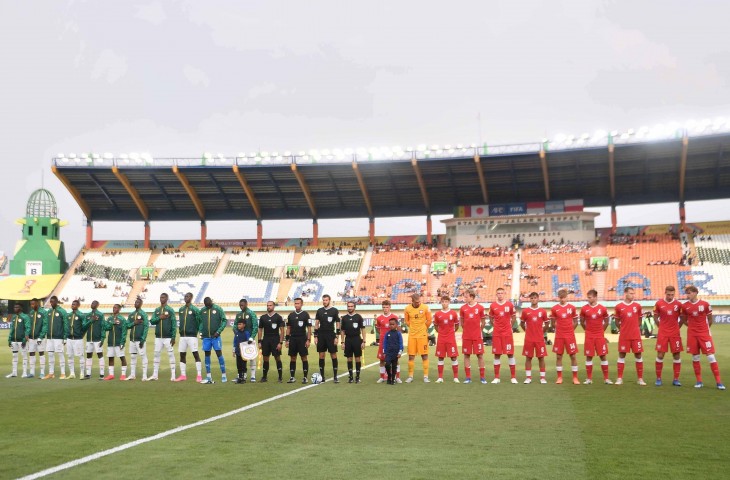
(126, 446)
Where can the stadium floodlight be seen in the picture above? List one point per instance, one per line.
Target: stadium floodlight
(409, 149)
(473, 145)
(337, 152)
(459, 146)
(362, 152)
(84, 156)
(264, 153)
(397, 149)
(349, 151)
(421, 148)
(325, 152)
(108, 155)
(240, 155)
(71, 155)
(435, 147)
(252, 155)
(123, 156)
(313, 152)
(207, 155)
(274, 154)
(59, 155)
(134, 156)
(560, 138)
(599, 134)
(585, 136)
(287, 153)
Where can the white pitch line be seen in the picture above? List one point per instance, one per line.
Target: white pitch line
(141, 441)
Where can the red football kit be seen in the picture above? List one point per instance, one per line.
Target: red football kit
(594, 318)
(471, 335)
(446, 343)
(534, 319)
(564, 329)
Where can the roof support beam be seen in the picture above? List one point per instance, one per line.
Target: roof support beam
(132, 193)
(611, 171)
(482, 181)
(305, 189)
(191, 192)
(421, 184)
(545, 175)
(248, 191)
(363, 188)
(73, 191)
(683, 165)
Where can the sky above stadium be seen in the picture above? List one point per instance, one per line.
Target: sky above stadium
(179, 78)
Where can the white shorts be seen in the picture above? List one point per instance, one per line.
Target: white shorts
(115, 352)
(18, 346)
(188, 343)
(74, 347)
(94, 347)
(135, 349)
(34, 347)
(162, 342)
(54, 345)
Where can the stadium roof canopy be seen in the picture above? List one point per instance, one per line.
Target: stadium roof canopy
(619, 170)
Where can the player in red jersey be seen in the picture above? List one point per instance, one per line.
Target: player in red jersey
(594, 320)
(382, 323)
(446, 322)
(666, 314)
(628, 315)
(564, 319)
(472, 317)
(533, 321)
(502, 315)
(697, 315)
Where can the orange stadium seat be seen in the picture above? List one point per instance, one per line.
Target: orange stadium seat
(630, 264)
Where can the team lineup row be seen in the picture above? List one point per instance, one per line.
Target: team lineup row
(55, 332)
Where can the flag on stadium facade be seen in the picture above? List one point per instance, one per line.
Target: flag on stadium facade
(535, 208)
(574, 205)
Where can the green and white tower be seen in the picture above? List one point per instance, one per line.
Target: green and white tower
(40, 251)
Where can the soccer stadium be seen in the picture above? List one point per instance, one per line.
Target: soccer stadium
(526, 339)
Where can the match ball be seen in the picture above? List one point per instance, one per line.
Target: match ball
(316, 378)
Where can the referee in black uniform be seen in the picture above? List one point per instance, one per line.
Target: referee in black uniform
(298, 336)
(271, 338)
(353, 333)
(326, 328)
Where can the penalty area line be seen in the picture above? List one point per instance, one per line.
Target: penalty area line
(161, 435)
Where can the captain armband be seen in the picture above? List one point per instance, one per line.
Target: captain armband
(316, 332)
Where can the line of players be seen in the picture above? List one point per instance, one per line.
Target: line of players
(669, 313)
(53, 330)
(49, 330)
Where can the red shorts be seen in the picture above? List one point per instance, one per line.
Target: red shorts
(534, 349)
(503, 345)
(381, 355)
(700, 343)
(447, 348)
(472, 347)
(595, 347)
(567, 345)
(667, 344)
(626, 345)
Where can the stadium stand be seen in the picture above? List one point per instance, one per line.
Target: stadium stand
(646, 262)
(712, 275)
(106, 276)
(178, 272)
(333, 271)
(548, 268)
(397, 271)
(251, 274)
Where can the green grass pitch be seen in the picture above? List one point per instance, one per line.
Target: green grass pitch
(369, 430)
